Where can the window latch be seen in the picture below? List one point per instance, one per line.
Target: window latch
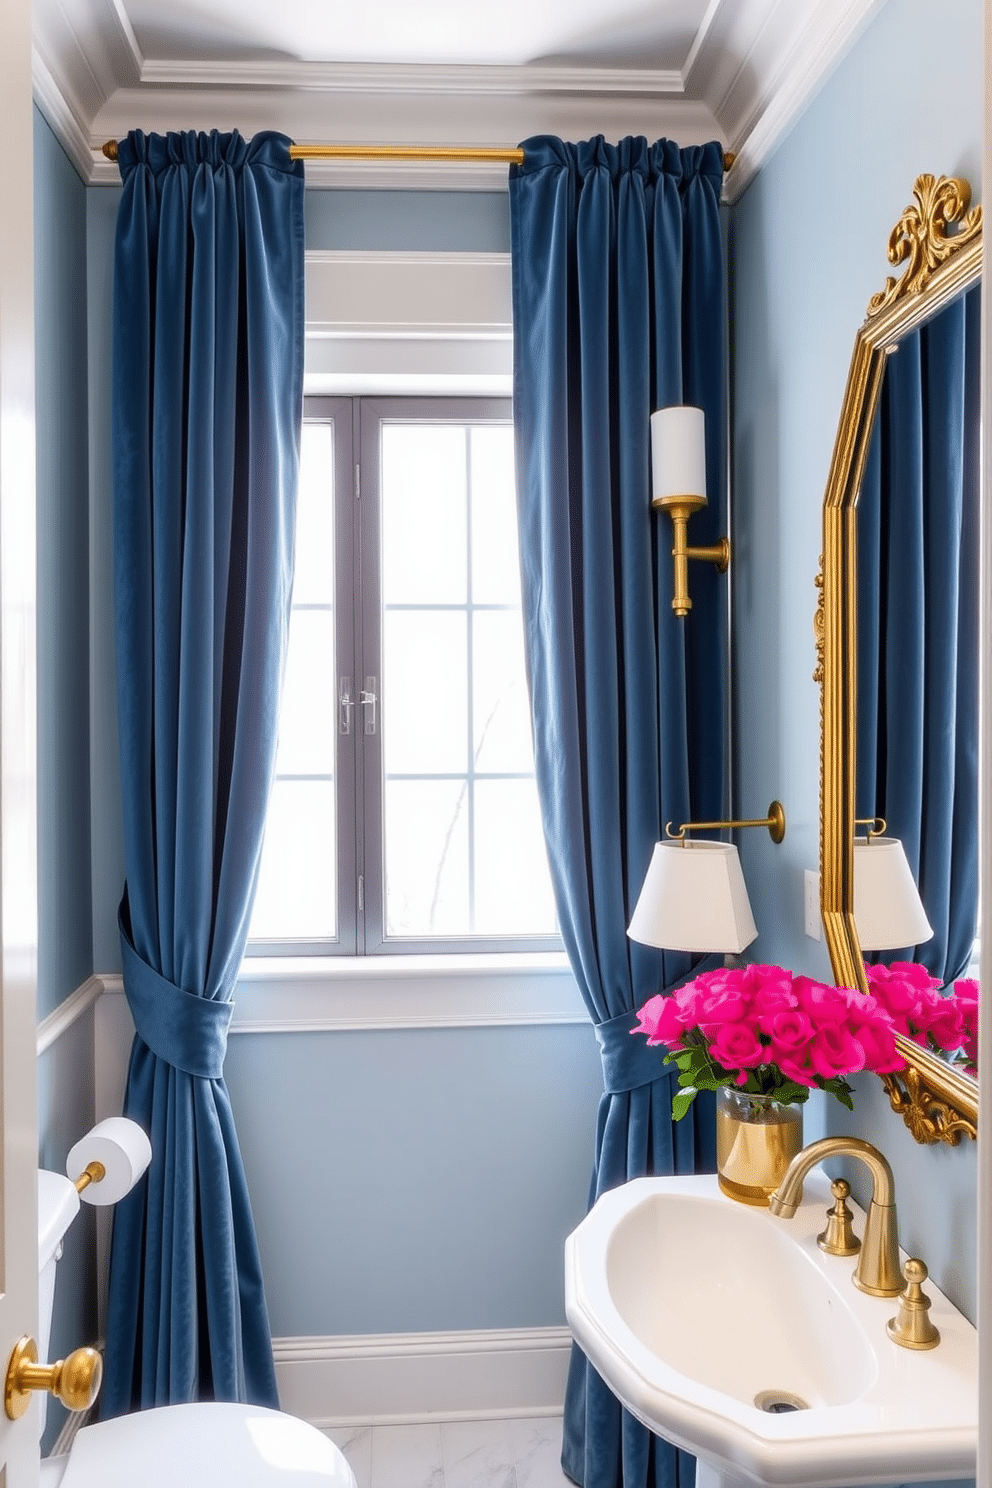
(345, 705)
(369, 700)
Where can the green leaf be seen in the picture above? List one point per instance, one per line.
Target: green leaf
(790, 1093)
(681, 1103)
(706, 1080)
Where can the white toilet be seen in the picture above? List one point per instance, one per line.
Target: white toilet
(175, 1446)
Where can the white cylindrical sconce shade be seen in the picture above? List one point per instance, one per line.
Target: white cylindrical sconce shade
(888, 910)
(694, 899)
(678, 453)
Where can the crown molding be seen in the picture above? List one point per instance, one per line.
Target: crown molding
(405, 78)
(753, 67)
(66, 123)
(759, 101)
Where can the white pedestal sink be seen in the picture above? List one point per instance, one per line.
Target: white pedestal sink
(701, 1313)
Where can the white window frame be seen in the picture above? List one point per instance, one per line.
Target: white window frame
(354, 348)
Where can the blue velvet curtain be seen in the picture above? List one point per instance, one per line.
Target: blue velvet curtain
(618, 309)
(918, 621)
(207, 403)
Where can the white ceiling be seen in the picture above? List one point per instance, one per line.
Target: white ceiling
(437, 72)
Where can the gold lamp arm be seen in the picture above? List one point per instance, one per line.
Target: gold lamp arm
(774, 821)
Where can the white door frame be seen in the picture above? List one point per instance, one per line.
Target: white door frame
(19, 1451)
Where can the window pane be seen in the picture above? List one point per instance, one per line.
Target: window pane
(296, 897)
(426, 858)
(512, 881)
(495, 556)
(425, 699)
(297, 889)
(422, 485)
(307, 716)
(313, 580)
(502, 731)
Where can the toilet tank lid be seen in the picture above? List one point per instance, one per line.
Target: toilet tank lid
(205, 1446)
(58, 1205)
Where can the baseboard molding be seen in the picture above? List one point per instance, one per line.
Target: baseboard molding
(406, 1378)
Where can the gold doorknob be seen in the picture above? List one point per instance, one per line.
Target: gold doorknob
(75, 1380)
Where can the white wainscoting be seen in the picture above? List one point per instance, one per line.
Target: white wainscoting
(405, 1378)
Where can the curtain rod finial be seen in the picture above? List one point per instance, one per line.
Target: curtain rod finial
(728, 159)
(110, 149)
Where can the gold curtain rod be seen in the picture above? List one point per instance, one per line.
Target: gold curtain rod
(403, 152)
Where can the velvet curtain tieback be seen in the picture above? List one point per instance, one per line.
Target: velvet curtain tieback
(628, 1062)
(187, 1031)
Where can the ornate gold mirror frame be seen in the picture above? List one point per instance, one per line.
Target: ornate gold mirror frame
(940, 242)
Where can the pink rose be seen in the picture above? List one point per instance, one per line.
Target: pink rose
(835, 1051)
(790, 1031)
(661, 1019)
(878, 1040)
(735, 1046)
(946, 1026)
(966, 998)
(769, 985)
(906, 990)
(800, 1073)
(825, 1005)
(715, 1009)
(916, 975)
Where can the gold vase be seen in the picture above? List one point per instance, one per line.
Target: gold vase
(756, 1139)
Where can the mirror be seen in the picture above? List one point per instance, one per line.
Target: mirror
(939, 240)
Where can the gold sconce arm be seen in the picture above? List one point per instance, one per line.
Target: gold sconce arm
(877, 825)
(75, 1380)
(680, 509)
(774, 821)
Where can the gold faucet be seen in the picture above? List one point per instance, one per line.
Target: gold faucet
(877, 1271)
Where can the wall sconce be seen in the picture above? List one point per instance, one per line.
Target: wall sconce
(678, 459)
(694, 897)
(888, 910)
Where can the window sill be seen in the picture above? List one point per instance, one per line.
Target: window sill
(340, 993)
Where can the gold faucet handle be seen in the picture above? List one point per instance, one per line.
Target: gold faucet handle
(75, 1380)
(839, 1238)
(913, 1328)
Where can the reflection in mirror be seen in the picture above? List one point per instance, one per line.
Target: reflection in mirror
(918, 664)
(938, 243)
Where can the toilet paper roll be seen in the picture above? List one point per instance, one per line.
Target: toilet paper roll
(123, 1149)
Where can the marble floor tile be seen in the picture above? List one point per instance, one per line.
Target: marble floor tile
(355, 1443)
(407, 1457)
(537, 1452)
(456, 1454)
(477, 1454)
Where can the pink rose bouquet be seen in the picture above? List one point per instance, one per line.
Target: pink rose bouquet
(768, 1032)
(945, 1022)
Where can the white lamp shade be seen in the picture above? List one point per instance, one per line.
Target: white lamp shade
(678, 452)
(888, 910)
(694, 899)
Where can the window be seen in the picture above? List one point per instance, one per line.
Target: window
(404, 813)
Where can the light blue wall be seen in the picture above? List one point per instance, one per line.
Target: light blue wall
(65, 941)
(401, 1181)
(65, 951)
(415, 1181)
(807, 248)
(418, 221)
